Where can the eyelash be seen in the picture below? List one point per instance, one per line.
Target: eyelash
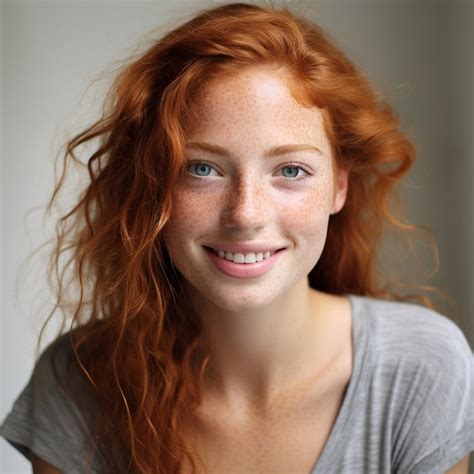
(288, 165)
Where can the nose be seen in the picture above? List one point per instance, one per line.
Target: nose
(246, 207)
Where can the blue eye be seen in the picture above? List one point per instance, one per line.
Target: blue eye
(201, 169)
(290, 172)
(294, 170)
(293, 173)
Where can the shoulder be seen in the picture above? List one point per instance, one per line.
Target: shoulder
(400, 331)
(55, 360)
(422, 377)
(62, 384)
(53, 417)
(57, 385)
(58, 369)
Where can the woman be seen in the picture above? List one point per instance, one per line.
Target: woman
(230, 317)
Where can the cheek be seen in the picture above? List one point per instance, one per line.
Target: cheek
(308, 223)
(189, 202)
(191, 213)
(307, 213)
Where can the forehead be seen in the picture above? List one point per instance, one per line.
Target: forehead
(256, 104)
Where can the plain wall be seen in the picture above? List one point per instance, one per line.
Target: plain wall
(418, 54)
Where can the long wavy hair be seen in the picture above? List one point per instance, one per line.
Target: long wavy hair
(134, 340)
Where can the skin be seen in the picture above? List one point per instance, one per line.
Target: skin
(262, 331)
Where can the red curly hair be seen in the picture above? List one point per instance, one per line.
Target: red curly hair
(134, 341)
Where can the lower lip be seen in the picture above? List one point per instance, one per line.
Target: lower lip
(244, 270)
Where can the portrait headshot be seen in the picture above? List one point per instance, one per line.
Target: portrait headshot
(237, 237)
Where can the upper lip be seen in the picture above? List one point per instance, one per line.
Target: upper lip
(245, 247)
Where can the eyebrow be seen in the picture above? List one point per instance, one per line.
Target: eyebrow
(273, 151)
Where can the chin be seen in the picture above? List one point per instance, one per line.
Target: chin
(241, 300)
(241, 306)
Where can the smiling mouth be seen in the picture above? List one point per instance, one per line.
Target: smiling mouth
(243, 258)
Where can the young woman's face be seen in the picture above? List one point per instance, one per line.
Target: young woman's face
(246, 191)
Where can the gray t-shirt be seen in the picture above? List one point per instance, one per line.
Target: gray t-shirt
(408, 408)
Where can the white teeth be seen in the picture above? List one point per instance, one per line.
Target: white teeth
(241, 258)
(250, 258)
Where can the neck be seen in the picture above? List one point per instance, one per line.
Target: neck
(257, 354)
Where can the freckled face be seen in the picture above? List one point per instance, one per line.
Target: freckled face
(283, 200)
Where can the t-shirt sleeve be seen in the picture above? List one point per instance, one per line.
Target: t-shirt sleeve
(44, 419)
(441, 411)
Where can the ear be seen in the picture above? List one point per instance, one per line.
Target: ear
(341, 183)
